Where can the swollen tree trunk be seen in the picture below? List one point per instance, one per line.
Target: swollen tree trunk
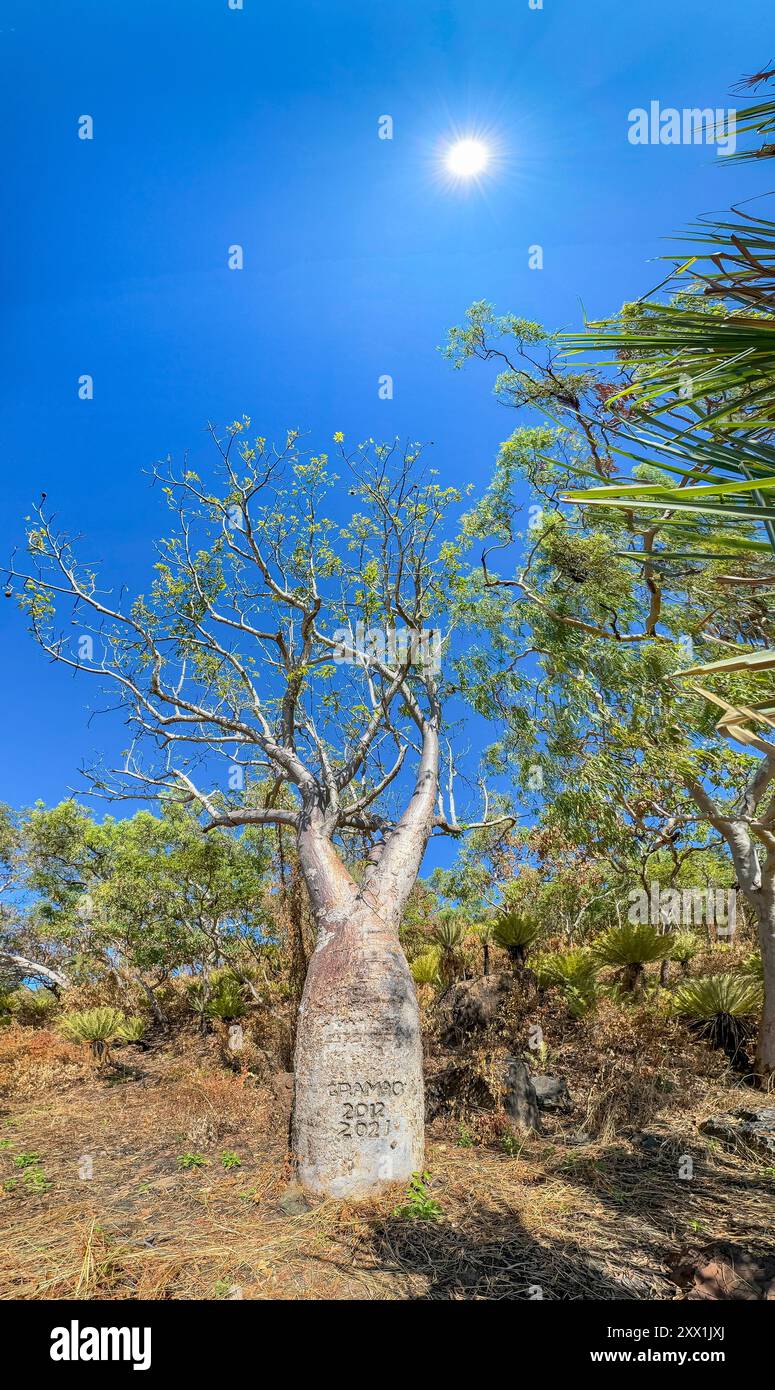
(358, 1114)
(358, 1104)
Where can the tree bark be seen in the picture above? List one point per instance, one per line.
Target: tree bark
(358, 1112)
(36, 970)
(358, 1096)
(765, 920)
(755, 868)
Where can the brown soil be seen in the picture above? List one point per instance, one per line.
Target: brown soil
(560, 1216)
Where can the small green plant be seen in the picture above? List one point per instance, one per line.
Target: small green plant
(97, 1027)
(465, 1139)
(448, 937)
(425, 968)
(632, 946)
(230, 1160)
(574, 972)
(133, 1030)
(511, 1145)
(419, 1205)
(753, 965)
(720, 1008)
(189, 1161)
(228, 1000)
(36, 1181)
(686, 945)
(515, 932)
(5, 1143)
(26, 1160)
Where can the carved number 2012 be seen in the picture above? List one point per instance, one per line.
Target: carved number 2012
(362, 1120)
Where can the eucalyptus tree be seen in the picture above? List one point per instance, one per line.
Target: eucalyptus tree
(20, 948)
(279, 642)
(606, 604)
(142, 898)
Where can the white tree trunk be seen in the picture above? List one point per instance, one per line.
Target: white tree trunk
(358, 1113)
(34, 969)
(358, 1099)
(755, 867)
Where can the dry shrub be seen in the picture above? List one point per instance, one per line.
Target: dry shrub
(632, 1060)
(35, 1062)
(213, 1104)
(107, 992)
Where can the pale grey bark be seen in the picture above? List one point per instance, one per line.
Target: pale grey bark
(34, 969)
(358, 1120)
(749, 831)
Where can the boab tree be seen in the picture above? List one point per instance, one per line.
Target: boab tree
(290, 646)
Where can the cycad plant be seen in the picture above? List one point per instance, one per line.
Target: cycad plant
(631, 947)
(227, 1001)
(515, 931)
(425, 968)
(219, 995)
(99, 1028)
(574, 972)
(720, 1008)
(686, 945)
(483, 932)
(753, 965)
(448, 936)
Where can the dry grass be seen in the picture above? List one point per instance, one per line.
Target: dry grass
(571, 1216)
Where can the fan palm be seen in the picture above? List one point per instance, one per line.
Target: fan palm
(574, 972)
(720, 1008)
(515, 931)
(631, 947)
(98, 1027)
(704, 394)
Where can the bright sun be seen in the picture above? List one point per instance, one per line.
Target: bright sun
(467, 158)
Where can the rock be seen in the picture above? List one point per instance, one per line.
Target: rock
(727, 1273)
(293, 1201)
(746, 1129)
(469, 1006)
(551, 1093)
(459, 1088)
(519, 1097)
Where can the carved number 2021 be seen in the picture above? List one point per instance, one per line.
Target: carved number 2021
(363, 1120)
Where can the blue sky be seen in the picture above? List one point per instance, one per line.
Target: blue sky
(259, 127)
